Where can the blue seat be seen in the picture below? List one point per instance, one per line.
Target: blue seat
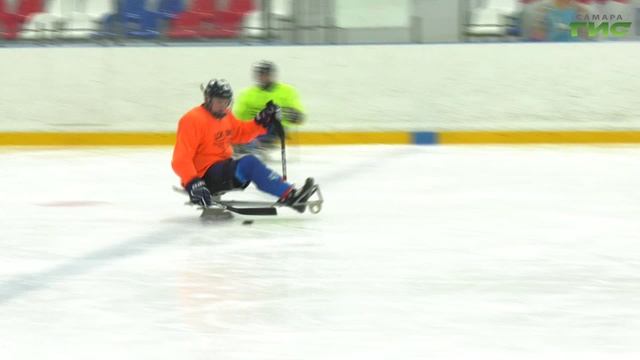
(138, 21)
(169, 9)
(132, 19)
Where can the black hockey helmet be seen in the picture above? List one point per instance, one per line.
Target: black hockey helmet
(218, 88)
(264, 67)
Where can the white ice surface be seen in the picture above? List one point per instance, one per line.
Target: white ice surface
(419, 253)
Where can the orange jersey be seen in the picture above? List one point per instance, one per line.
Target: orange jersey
(203, 140)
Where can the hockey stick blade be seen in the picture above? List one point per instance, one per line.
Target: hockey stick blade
(266, 211)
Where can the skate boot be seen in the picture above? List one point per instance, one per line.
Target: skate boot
(297, 198)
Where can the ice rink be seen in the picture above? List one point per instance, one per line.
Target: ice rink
(419, 253)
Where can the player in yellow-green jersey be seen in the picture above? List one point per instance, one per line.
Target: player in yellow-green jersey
(253, 99)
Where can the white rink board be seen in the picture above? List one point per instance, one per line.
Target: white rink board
(515, 86)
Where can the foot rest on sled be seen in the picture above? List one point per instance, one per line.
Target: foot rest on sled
(221, 208)
(315, 206)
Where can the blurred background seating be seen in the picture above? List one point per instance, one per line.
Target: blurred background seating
(13, 15)
(302, 21)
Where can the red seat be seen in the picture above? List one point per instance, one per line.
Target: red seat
(28, 7)
(231, 18)
(11, 22)
(203, 19)
(203, 6)
(184, 26)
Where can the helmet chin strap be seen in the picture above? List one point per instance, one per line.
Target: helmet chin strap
(267, 86)
(217, 114)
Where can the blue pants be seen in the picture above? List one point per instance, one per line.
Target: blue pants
(238, 174)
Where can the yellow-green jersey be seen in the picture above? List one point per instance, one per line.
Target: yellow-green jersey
(254, 99)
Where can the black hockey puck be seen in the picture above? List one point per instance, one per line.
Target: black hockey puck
(247, 222)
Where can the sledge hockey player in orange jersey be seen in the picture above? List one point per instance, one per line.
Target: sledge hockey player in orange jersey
(202, 156)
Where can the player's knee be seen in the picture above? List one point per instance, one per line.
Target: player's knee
(251, 161)
(249, 164)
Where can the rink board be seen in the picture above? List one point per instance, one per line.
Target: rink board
(333, 138)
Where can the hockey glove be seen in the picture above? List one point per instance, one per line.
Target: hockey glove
(292, 115)
(268, 115)
(198, 192)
